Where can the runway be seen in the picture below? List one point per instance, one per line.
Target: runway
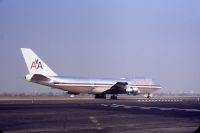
(82, 115)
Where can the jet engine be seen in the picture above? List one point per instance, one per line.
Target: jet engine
(132, 90)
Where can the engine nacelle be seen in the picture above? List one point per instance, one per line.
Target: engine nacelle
(132, 90)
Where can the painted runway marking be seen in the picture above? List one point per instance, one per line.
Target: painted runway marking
(129, 106)
(147, 108)
(104, 105)
(96, 122)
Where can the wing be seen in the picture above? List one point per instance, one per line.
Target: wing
(118, 88)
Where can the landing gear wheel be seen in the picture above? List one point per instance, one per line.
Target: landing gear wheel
(149, 95)
(113, 97)
(100, 96)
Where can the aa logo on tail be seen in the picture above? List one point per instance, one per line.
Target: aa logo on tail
(36, 64)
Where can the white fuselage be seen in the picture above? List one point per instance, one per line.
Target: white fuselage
(94, 85)
(40, 73)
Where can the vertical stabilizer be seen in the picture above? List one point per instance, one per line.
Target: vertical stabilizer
(35, 65)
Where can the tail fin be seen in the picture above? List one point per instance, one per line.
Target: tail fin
(35, 64)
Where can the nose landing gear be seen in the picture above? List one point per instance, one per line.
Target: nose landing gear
(149, 95)
(113, 97)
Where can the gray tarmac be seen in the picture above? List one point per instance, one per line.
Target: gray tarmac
(86, 115)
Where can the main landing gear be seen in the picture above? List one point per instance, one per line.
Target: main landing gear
(100, 96)
(113, 97)
(103, 96)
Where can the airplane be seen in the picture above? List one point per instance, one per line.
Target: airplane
(40, 73)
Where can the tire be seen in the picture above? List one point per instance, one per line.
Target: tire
(100, 96)
(113, 97)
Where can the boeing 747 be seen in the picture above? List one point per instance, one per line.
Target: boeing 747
(40, 73)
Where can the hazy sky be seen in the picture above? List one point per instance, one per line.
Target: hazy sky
(107, 38)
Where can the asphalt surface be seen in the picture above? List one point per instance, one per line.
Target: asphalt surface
(138, 115)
